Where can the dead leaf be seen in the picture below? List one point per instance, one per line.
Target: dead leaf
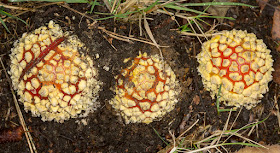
(275, 31)
(268, 149)
(262, 4)
(196, 100)
(218, 10)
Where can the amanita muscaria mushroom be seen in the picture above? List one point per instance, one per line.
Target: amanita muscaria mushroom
(146, 90)
(240, 62)
(52, 77)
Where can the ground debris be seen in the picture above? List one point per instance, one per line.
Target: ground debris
(11, 135)
(276, 72)
(262, 4)
(275, 31)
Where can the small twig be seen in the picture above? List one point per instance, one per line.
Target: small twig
(82, 14)
(129, 38)
(109, 42)
(197, 34)
(16, 7)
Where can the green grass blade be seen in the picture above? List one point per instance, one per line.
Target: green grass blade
(67, 1)
(171, 6)
(124, 15)
(217, 3)
(109, 17)
(103, 13)
(218, 99)
(11, 16)
(226, 110)
(93, 4)
(241, 143)
(248, 126)
(203, 21)
(4, 24)
(151, 6)
(160, 136)
(117, 6)
(223, 17)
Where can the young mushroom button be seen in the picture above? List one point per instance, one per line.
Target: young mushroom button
(240, 63)
(146, 90)
(53, 79)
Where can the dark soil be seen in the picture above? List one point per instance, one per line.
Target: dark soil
(105, 131)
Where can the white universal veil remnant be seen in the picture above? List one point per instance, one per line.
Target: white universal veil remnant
(241, 63)
(53, 79)
(146, 90)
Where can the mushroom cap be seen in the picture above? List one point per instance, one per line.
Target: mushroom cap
(146, 90)
(53, 79)
(241, 63)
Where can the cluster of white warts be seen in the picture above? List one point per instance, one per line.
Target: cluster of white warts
(62, 84)
(146, 90)
(241, 63)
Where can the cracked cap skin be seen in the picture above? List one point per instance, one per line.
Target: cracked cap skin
(146, 90)
(52, 78)
(241, 63)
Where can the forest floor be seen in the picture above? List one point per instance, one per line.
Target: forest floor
(104, 130)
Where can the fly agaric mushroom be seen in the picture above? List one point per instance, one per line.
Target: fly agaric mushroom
(51, 76)
(241, 63)
(146, 90)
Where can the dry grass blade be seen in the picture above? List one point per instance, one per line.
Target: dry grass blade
(201, 149)
(233, 124)
(188, 128)
(199, 28)
(127, 38)
(114, 5)
(277, 108)
(198, 35)
(194, 31)
(35, 8)
(16, 7)
(225, 127)
(107, 4)
(140, 25)
(22, 122)
(127, 5)
(114, 35)
(248, 140)
(236, 118)
(150, 34)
